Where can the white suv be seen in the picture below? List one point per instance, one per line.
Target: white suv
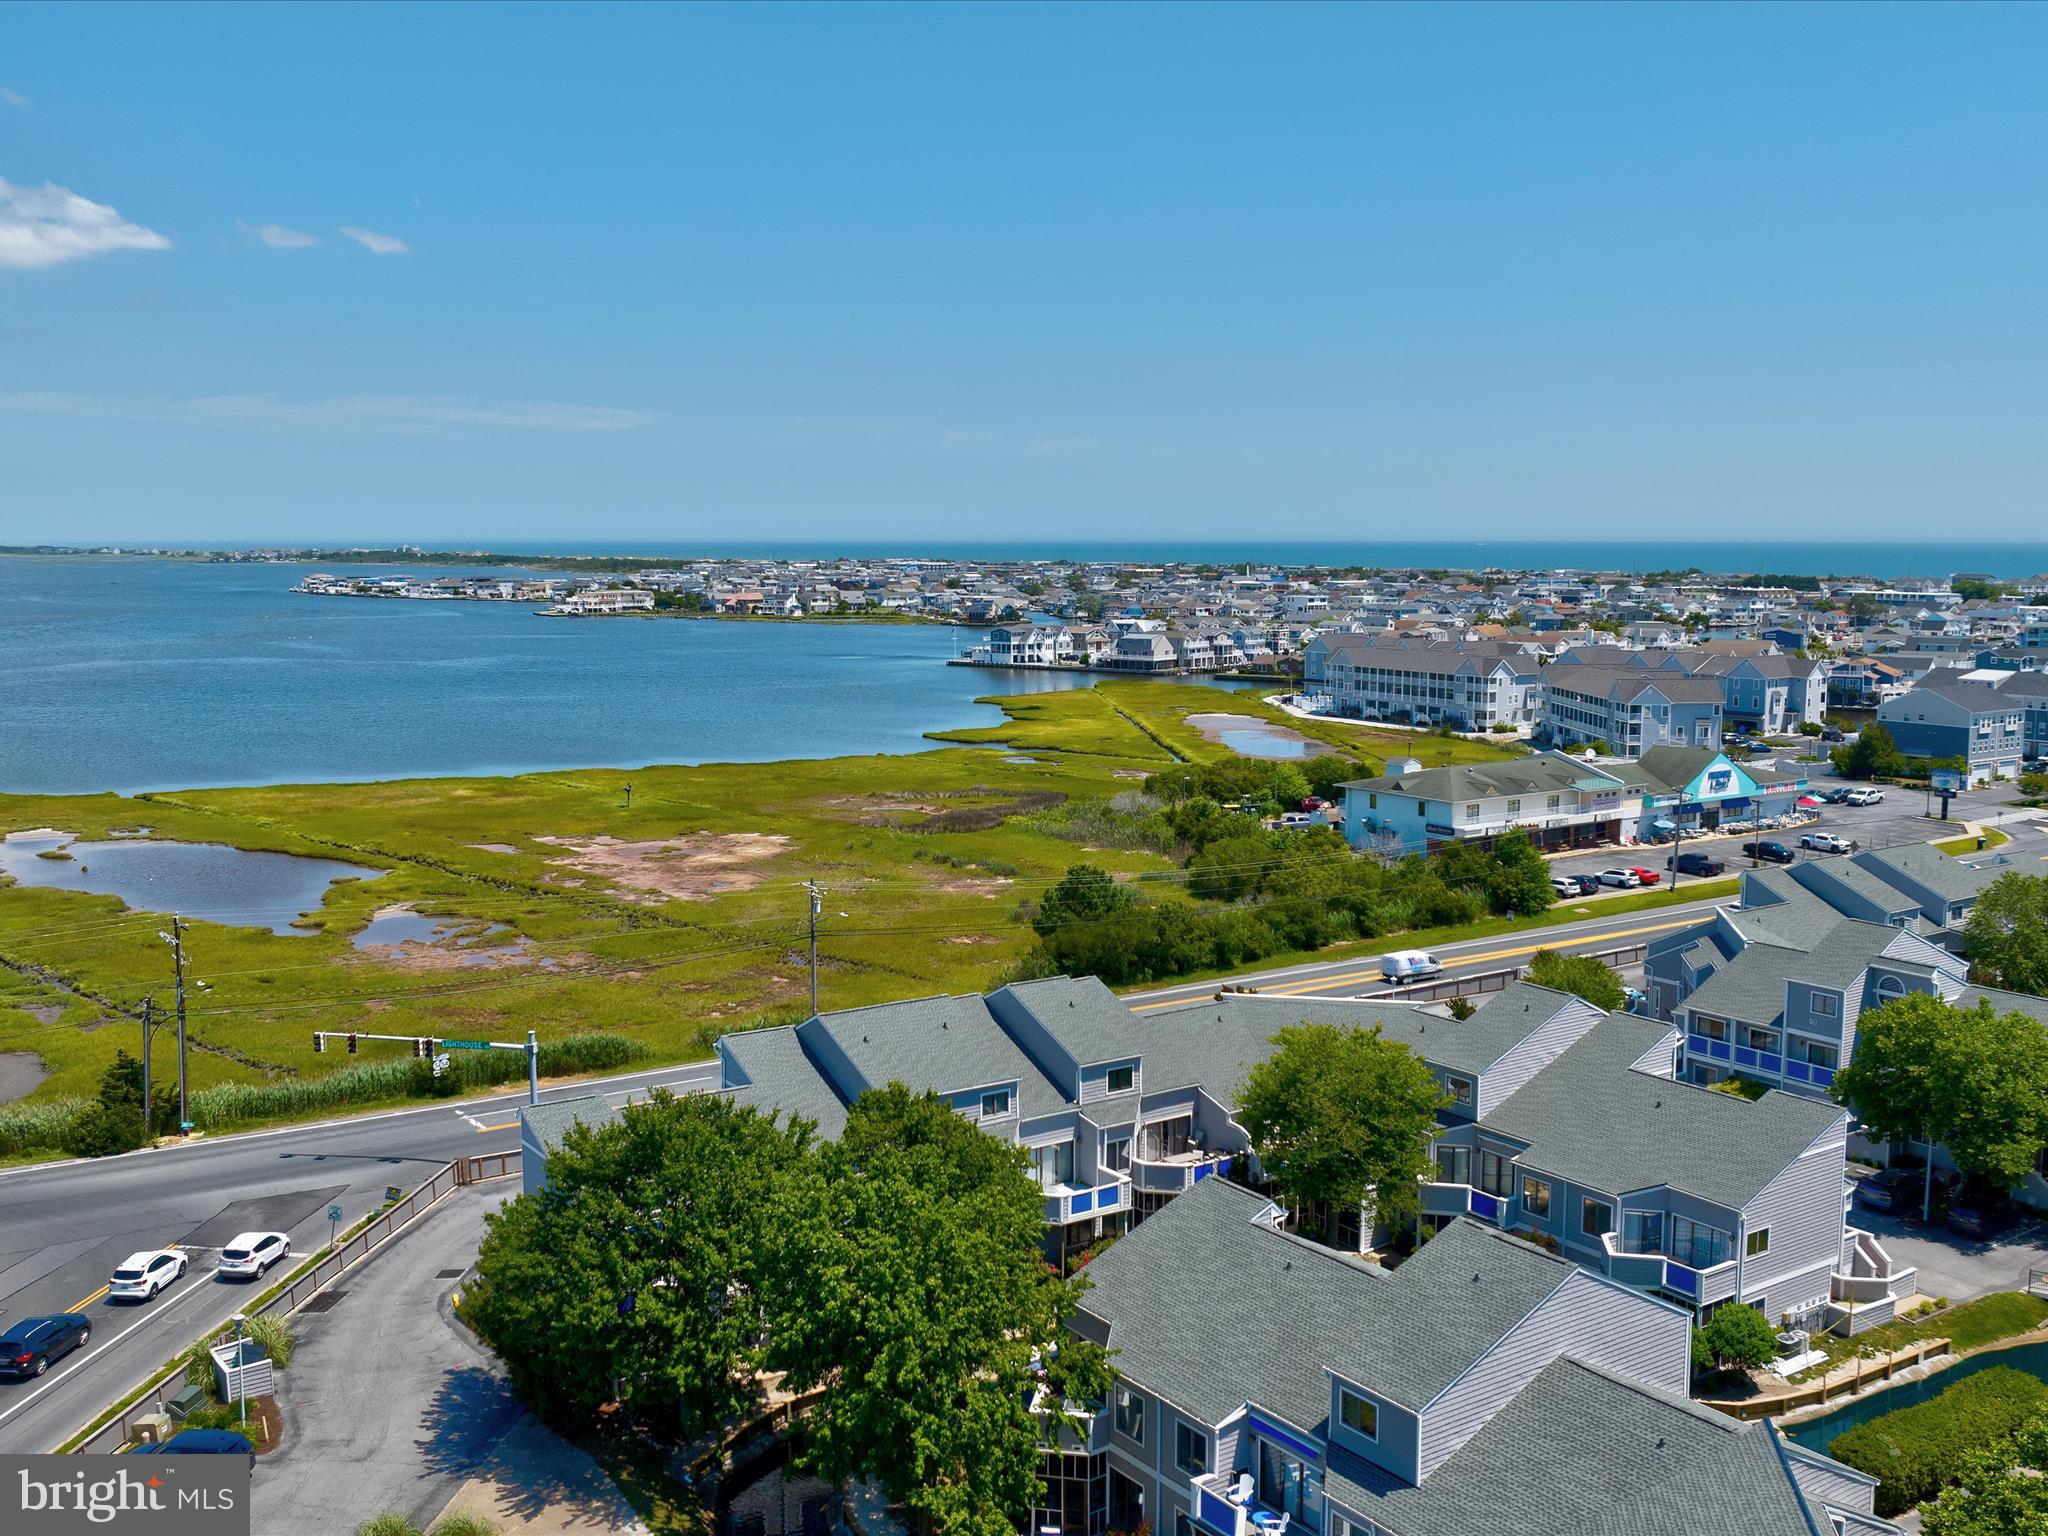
(246, 1257)
(140, 1276)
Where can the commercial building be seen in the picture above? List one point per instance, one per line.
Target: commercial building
(1560, 801)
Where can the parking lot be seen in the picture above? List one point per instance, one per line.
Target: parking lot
(1958, 1267)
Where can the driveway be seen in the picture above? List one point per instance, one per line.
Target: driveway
(390, 1403)
(1958, 1267)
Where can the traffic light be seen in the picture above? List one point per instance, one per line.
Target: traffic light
(423, 1048)
(319, 1041)
(351, 1044)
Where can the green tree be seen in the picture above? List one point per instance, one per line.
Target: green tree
(1329, 771)
(1518, 880)
(1996, 1492)
(1972, 1079)
(1862, 608)
(1580, 975)
(1873, 755)
(2006, 936)
(1976, 587)
(1085, 895)
(634, 1272)
(1739, 1335)
(914, 1292)
(1340, 1117)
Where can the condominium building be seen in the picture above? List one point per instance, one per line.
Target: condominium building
(1630, 708)
(1471, 685)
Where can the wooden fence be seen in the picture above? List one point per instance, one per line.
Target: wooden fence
(370, 1235)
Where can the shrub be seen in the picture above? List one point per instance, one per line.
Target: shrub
(1913, 1452)
(274, 1334)
(1740, 1335)
(464, 1525)
(390, 1523)
(197, 1362)
(43, 1127)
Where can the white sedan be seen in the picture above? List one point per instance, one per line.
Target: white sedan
(248, 1256)
(1627, 879)
(140, 1276)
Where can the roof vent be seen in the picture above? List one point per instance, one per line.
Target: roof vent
(1475, 1277)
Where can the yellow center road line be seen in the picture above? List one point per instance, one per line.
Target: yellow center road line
(502, 1125)
(80, 1306)
(1298, 988)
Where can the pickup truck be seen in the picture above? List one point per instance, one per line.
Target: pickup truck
(1825, 842)
(1770, 851)
(1863, 797)
(1695, 864)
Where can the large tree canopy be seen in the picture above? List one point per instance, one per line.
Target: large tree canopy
(1339, 1116)
(2006, 936)
(638, 1265)
(1580, 975)
(914, 1293)
(1973, 1079)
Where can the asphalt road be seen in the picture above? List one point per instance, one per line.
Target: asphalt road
(64, 1226)
(390, 1403)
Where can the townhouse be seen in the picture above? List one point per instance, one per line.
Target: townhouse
(1966, 716)
(1268, 1384)
(1774, 694)
(1631, 708)
(1470, 685)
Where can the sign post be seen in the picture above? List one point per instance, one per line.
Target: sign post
(1947, 783)
(333, 1222)
(438, 1050)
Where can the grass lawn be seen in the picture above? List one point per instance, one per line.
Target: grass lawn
(671, 921)
(1961, 845)
(1974, 1324)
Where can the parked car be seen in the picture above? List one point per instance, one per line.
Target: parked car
(141, 1276)
(1695, 864)
(1770, 851)
(1836, 795)
(200, 1442)
(1863, 796)
(250, 1255)
(1644, 876)
(1589, 885)
(1566, 885)
(1625, 878)
(1410, 965)
(1972, 1214)
(1757, 748)
(1315, 803)
(32, 1343)
(1829, 733)
(1890, 1189)
(1825, 842)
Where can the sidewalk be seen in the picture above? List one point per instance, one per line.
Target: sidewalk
(534, 1483)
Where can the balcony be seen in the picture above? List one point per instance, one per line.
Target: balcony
(1654, 1271)
(1177, 1172)
(1440, 1199)
(1221, 1508)
(1076, 1202)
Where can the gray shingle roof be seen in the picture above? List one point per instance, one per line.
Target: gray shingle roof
(941, 1044)
(1949, 878)
(1408, 1334)
(1588, 1118)
(781, 1078)
(1536, 774)
(550, 1122)
(1626, 684)
(1087, 1020)
(2005, 1002)
(1582, 1452)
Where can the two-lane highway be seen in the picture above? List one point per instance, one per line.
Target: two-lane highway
(64, 1226)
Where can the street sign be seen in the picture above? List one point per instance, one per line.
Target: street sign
(440, 1064)
(334, 1213)
(464, 1045)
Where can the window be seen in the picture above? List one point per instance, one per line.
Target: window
(1054, 1164)
(1889, 987)
(1642, 1231)
(1535, 1196)
(1129, 1415)
(1596, 1217)
(1190, 1449)
(1421, 809)
(1514, 808)
(1757, 1242)
(1496, 1174)
(1120, 1079)
(1759, 1039)
(1819, 1055)
(1712, 1029)
(1453, 1165)
(1116, 1154)
(1472, 811)
(993, 1104)
(1461, 1090)
(1360, 1416)
(1826, 1005)
(1372, 801)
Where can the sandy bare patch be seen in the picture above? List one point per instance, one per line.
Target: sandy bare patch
(38, 834)
(20, 1074)
(974, 938)
(1129, 773)
(691, 868)
(44, 1013)
(491, 847)
(959, 885)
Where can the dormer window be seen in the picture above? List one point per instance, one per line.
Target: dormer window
(996, 1104)
(1360, 1415)
(1121, 1079)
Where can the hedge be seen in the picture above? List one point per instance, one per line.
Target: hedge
(1914, 1452)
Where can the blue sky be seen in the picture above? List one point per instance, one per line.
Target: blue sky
(1703, 271)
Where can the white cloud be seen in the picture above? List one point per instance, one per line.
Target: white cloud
(16, 100)
(376, 244)
(42, 226)
(406, 414)
(277, 236)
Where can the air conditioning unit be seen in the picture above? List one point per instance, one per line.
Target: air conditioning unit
(1794, 1341)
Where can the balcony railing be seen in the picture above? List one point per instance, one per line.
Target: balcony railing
(1217, 1507)
(1441, 1199)
(1074, 1202)
(1177, 1172)
(1650, 1270)
(1771, 1062)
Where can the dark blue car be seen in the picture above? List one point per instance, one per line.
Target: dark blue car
(199, 1442)
(33, 1344)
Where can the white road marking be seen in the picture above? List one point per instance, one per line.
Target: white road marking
(195, 1289)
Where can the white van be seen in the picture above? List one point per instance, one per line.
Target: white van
(1410, 965)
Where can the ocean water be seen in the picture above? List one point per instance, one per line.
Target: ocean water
(132, 675)
(1890, 561)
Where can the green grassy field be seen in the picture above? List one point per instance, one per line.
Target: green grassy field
(671, 922)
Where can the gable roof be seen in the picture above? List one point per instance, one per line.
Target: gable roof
(1538, 773)
(1590, 1119)
(1951, 879)
(941, 1044)
(781, 1078)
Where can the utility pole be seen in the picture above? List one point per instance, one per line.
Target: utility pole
(176, 939)
(817, 906)
(148, 1027)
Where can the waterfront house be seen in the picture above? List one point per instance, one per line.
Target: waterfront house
(1774, 694)
(1470, 685)
(1267, 1384)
